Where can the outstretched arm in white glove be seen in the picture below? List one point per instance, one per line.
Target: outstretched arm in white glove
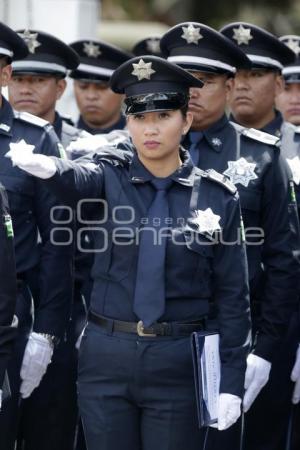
(40, 166)
(295, 376)
(257, 375)
(37, 356)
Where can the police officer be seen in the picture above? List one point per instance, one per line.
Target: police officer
(252, 104)
(8, 291)
(252, 161)
(31, 206)
(288, 101)
(99, 106)
(35, 87)
(135, 371)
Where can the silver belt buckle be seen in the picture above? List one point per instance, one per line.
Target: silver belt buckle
(140, 330)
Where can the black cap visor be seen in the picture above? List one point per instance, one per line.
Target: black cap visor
(159, 101)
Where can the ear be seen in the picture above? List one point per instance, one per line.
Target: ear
(5, 75)
(279, 85)
(188, 122)
(61, 85)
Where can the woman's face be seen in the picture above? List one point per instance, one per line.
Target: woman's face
(157, 135)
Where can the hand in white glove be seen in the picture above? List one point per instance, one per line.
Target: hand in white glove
(257, 375)
(229, 410)
(38, 165)
(37, 356)
(295, 376)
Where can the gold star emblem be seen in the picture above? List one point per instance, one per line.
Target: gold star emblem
(142, 70)
(293, 44)
(153, 45)
(191, 34)
(92, 50)
(30, 40)
(242, 35)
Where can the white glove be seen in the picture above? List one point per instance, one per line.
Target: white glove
(295, 376)
(92, 143)
(38, 165)
(229, 410)
(257, 375)
(37, 356)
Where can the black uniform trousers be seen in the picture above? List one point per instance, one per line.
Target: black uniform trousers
(137, 393)
(10, 413)
(50, 415)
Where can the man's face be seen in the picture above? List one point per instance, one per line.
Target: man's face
(208, 103)
(36, 94)
(288, 103)
(99, 106)
(252, 97)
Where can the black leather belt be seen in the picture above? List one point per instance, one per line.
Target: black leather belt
(157, 329)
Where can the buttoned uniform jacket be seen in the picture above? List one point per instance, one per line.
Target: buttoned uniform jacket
(8, 285)
(30, 207)
(196, 268)
(266, 202)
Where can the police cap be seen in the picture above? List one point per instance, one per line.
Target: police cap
(262, 48)
(195, 46)
(47, 55)
(98, 60)
(291, 73)
(11, 45)
(151, 83)
(147, 46)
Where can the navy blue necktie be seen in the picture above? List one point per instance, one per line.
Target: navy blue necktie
(195, 137)
(149, 296)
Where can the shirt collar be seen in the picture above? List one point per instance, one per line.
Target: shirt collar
(119, 125)
(274, 127)
(138, 174)
(6, 118)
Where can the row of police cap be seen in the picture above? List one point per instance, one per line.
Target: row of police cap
(191, 45)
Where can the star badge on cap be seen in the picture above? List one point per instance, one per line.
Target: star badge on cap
(142, 70)
(293, 45)
(294, 164)
(30, 40)
(240, 171)
(153, 45)
(206, 221)
(92, 50)
(191, 34)
(242, 35)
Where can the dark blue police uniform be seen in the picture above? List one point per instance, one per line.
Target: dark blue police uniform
(252, 161)
(8, 281)
(135, 382)
(266, 423)
(30, 205)
(49, 415)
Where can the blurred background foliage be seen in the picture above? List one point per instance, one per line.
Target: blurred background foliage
(278, 16)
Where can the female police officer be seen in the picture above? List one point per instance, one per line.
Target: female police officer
(167, 241)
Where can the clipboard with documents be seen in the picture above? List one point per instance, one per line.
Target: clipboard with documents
(207, 373)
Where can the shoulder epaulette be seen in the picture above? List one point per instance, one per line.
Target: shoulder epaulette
(219, 178)
(30, 118)
(257, 135)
